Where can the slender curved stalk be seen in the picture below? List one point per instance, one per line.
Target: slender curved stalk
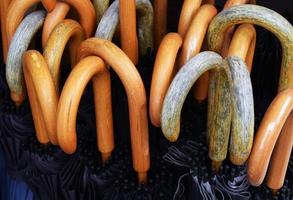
(242, 103)
(267, 136)
(260, 16)
(162, 74)
(135, 90)
(127, 16)
(160, 20)
(201, 86)
(3, 10)
(189, 8)
(53, 19)
(281, 156)
(179, 88)
(67, 30)
(196, 33)
(87, 15)
(105, 30)
(42, 95)
(242, 45)
(19, 44)
(100, 7)
(17, 10)
(110, 20)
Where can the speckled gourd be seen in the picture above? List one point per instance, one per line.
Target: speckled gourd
(110, 21)
(235, 15)
(19, 44)
(241, 105)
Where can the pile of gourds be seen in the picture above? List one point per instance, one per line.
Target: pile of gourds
(209, 56)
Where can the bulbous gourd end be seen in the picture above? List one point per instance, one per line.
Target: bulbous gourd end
(171, 133)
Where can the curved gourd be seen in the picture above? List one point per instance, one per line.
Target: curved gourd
(66, 31)
(16, 12)
(281, 156)
(188, 10)
(260, 16)
(53, 19)
(19, 44)
(42, 96)
(162, 74)
(136, 94)
(242, 45)
(110, 20)
(245, 14)
(242, 102)
(269, 133)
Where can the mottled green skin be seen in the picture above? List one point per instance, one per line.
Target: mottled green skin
(110, 20)
(19, 44)
(220, 111)
(179, 88)
(260, 16)
(240, 104)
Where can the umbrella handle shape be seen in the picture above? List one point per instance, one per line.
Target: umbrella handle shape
(136, 95)
(163, 72)
(242, 45)
(260, 16)
(53, 19)
(200, 92)
(19, 44)
(106, 30)
(245, 14)
(127, 16)
(100, 6)
(281, 156)
(3, 11)
(110, 21)
(42, 96)
(188, 11)
(239, 85)
(17, 10)
(66, 31)
(86, 13)
(273, 142)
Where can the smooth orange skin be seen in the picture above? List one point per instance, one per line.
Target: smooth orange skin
(162, 74)
(52, 19)
(201, 86)
(196, 33)
(189, 8)
(281, 156)
(42, 96)
(70, 98)
(49, 5)
(127, 17)
(193, 43)
(136, 95)
(3, 11)
(243, 44)
(66, 31)
(16, 12)
(267, 136)
(160, 20)
(87, 15)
